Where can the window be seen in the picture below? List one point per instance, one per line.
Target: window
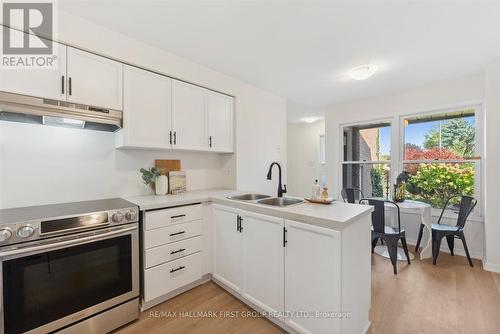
(366, 163)
(322, 160)
(439, 151)
(440, 156)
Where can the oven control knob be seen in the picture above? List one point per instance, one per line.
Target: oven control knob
(117, 217)
(25, 231)
(131, 215)
(5, 234)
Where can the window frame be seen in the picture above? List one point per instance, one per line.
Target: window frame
(390, 162)
(478, 181)
(322, 173)
(397, 161)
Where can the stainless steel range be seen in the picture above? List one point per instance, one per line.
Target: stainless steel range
(70, 268)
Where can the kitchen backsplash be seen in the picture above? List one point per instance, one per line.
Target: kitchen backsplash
(43, 164)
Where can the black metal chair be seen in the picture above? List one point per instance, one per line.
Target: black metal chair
(349, 195)
(389, 234)
(439, 231)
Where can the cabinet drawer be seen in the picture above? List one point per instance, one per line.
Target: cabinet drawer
(164, 278)
(169, 252)
(181, 214)
(166, 235)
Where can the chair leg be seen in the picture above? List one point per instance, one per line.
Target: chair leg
(420, 233)
(392, 248)
(433, 240)
(405, 248)
(450, 239)
(437, 246)
(462, 237)
(374, 243)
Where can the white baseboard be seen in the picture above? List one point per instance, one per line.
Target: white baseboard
(491, 267)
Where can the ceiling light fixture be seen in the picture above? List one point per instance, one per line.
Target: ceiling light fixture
(362, 72)
(310, 119)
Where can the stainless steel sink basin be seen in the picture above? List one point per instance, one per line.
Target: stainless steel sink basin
(280, 201)
(248, 197)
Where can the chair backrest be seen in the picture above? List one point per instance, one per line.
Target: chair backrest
(351, 195)
(467, 204)
(378, 214)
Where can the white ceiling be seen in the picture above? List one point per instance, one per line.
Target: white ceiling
(302, 50)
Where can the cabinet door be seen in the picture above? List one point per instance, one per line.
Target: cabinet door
(189, 116)
(227, 247)
(263, 261)
(312, 277)
(220, 122)
(39, 82)
(146, 109)
(94, 80)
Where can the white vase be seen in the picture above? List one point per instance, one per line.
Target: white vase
(161, 184)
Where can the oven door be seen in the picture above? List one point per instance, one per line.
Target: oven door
(48, 285)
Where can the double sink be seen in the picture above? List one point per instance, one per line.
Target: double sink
(267, 200)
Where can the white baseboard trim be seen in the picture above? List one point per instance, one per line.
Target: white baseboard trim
(491, 267)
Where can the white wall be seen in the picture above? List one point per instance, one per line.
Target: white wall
(492, 164)
(423, 99)
(44, 164)
(43, 153)
(303, 157)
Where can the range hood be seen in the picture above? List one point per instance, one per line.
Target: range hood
(28, 109)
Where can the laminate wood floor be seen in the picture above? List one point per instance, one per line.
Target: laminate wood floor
(422, 299)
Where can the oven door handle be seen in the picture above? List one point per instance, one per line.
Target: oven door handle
(67, 243)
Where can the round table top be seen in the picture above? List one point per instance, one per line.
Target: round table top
(408, 204)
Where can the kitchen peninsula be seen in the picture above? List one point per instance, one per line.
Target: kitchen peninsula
(305, 266)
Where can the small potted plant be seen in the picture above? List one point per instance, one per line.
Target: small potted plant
(149, 177)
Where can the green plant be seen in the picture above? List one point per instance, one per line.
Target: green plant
(434, 183)
(376, 180)
(149, 175)
(457, 135)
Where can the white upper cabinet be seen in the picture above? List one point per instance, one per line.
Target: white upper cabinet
(220, 122)
(189, 117)
(227, 247)
(312, 277)
(263, 261)
(146, 109)
(94, 80)
(39, 82)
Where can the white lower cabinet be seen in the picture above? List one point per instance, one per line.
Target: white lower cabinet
(173, 251)
(227, 247)
(249, 256)
(312, 278)
(304, 276)
(169, 276)
(287, 268)
(263, 261)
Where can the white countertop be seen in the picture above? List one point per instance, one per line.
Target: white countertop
(335, 216)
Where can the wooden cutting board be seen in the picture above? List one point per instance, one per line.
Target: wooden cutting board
(166, 166)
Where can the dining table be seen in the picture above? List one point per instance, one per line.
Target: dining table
(411, 207)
